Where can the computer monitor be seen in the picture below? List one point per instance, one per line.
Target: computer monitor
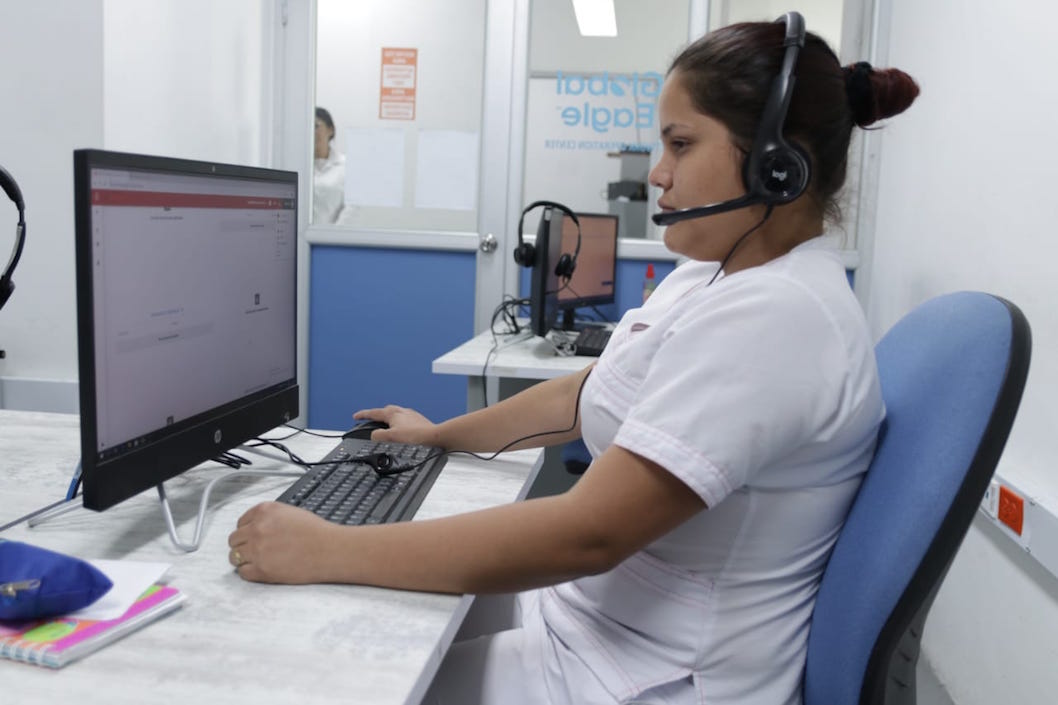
(186, 314)
(592, 283)
(543, 282)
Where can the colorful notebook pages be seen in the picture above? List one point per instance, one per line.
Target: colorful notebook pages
(57, 641)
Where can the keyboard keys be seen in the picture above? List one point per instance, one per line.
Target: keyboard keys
(349, 492)
(591, 341)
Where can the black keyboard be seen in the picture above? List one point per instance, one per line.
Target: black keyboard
(591, 341)
(349, 492)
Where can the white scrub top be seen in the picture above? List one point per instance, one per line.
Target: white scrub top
(328, 188)
(760, 392)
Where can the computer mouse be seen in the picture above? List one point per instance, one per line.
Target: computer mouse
(364, 428)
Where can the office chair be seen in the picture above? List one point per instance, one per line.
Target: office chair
(575, 457)
(952, 373)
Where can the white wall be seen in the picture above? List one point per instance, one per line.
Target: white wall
(966, 201)
(823, 17)
(186, 78)
(52, 85)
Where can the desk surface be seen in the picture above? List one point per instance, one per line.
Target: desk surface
(234, 641)
(516, 357)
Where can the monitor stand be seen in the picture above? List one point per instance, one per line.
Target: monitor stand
(569, 324)
(68, 505)
(204, 504)
(567, 319)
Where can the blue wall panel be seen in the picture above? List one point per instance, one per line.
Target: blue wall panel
(377, 319)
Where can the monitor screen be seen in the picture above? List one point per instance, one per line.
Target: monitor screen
(592, 282)
(186, 314)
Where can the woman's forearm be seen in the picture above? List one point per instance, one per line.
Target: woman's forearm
(504, 549)
(548, 408)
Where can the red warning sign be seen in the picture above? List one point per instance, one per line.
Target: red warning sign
(397, 91)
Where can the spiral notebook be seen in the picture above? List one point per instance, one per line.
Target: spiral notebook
(57, 641)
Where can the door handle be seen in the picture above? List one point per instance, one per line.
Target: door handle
(488, 243)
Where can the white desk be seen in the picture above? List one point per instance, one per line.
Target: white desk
(234, 641)
(517, 362)
(516, 357)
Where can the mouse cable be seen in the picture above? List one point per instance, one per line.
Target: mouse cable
(232, 460)
(565, 285)
(257, 443)
(496, 346)
(305, 430)
(508, 309)
(381, 463)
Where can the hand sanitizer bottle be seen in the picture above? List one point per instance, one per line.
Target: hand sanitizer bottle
(648, 282)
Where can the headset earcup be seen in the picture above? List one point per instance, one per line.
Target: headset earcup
(565, 266)
(6, 287)
(525, 254)
(781, 177)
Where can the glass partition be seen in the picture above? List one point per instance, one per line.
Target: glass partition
(401, 84)
(591, 119)
(401, 81)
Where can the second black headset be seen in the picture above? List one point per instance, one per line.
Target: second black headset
(10, 187)
(525, 253)
(775, 172)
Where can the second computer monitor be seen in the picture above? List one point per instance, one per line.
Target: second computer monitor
(592, 283)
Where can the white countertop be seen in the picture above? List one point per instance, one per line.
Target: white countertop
(515, 356)
(234, 641)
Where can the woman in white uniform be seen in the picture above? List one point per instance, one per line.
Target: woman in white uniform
(730, 421)
(328, 176)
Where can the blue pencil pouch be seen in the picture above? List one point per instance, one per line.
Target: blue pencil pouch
(36, 582)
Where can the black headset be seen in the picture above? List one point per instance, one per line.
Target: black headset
(775, 172)
(11, 189)
(525, 253)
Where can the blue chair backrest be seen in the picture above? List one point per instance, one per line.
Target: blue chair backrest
(952, 371)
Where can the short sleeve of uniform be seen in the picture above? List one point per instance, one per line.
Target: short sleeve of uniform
(735, 381)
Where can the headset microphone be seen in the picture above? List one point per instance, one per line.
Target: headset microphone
(10, 187)
(775, 172)
(711, 209)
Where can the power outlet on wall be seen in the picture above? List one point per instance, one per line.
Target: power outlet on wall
(1011, 510)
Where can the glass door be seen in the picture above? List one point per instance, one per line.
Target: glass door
(407, 196)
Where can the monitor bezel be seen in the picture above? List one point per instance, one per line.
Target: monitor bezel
(187, 443)
(543, 282)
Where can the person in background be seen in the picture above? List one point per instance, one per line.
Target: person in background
(730, 421)
(328, 178)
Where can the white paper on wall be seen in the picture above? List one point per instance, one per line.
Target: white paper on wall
(446, 174)
(374, 167)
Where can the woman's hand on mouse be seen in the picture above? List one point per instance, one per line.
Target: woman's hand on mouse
(405, 425)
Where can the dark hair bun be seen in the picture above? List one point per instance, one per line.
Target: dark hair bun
(876, 94)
